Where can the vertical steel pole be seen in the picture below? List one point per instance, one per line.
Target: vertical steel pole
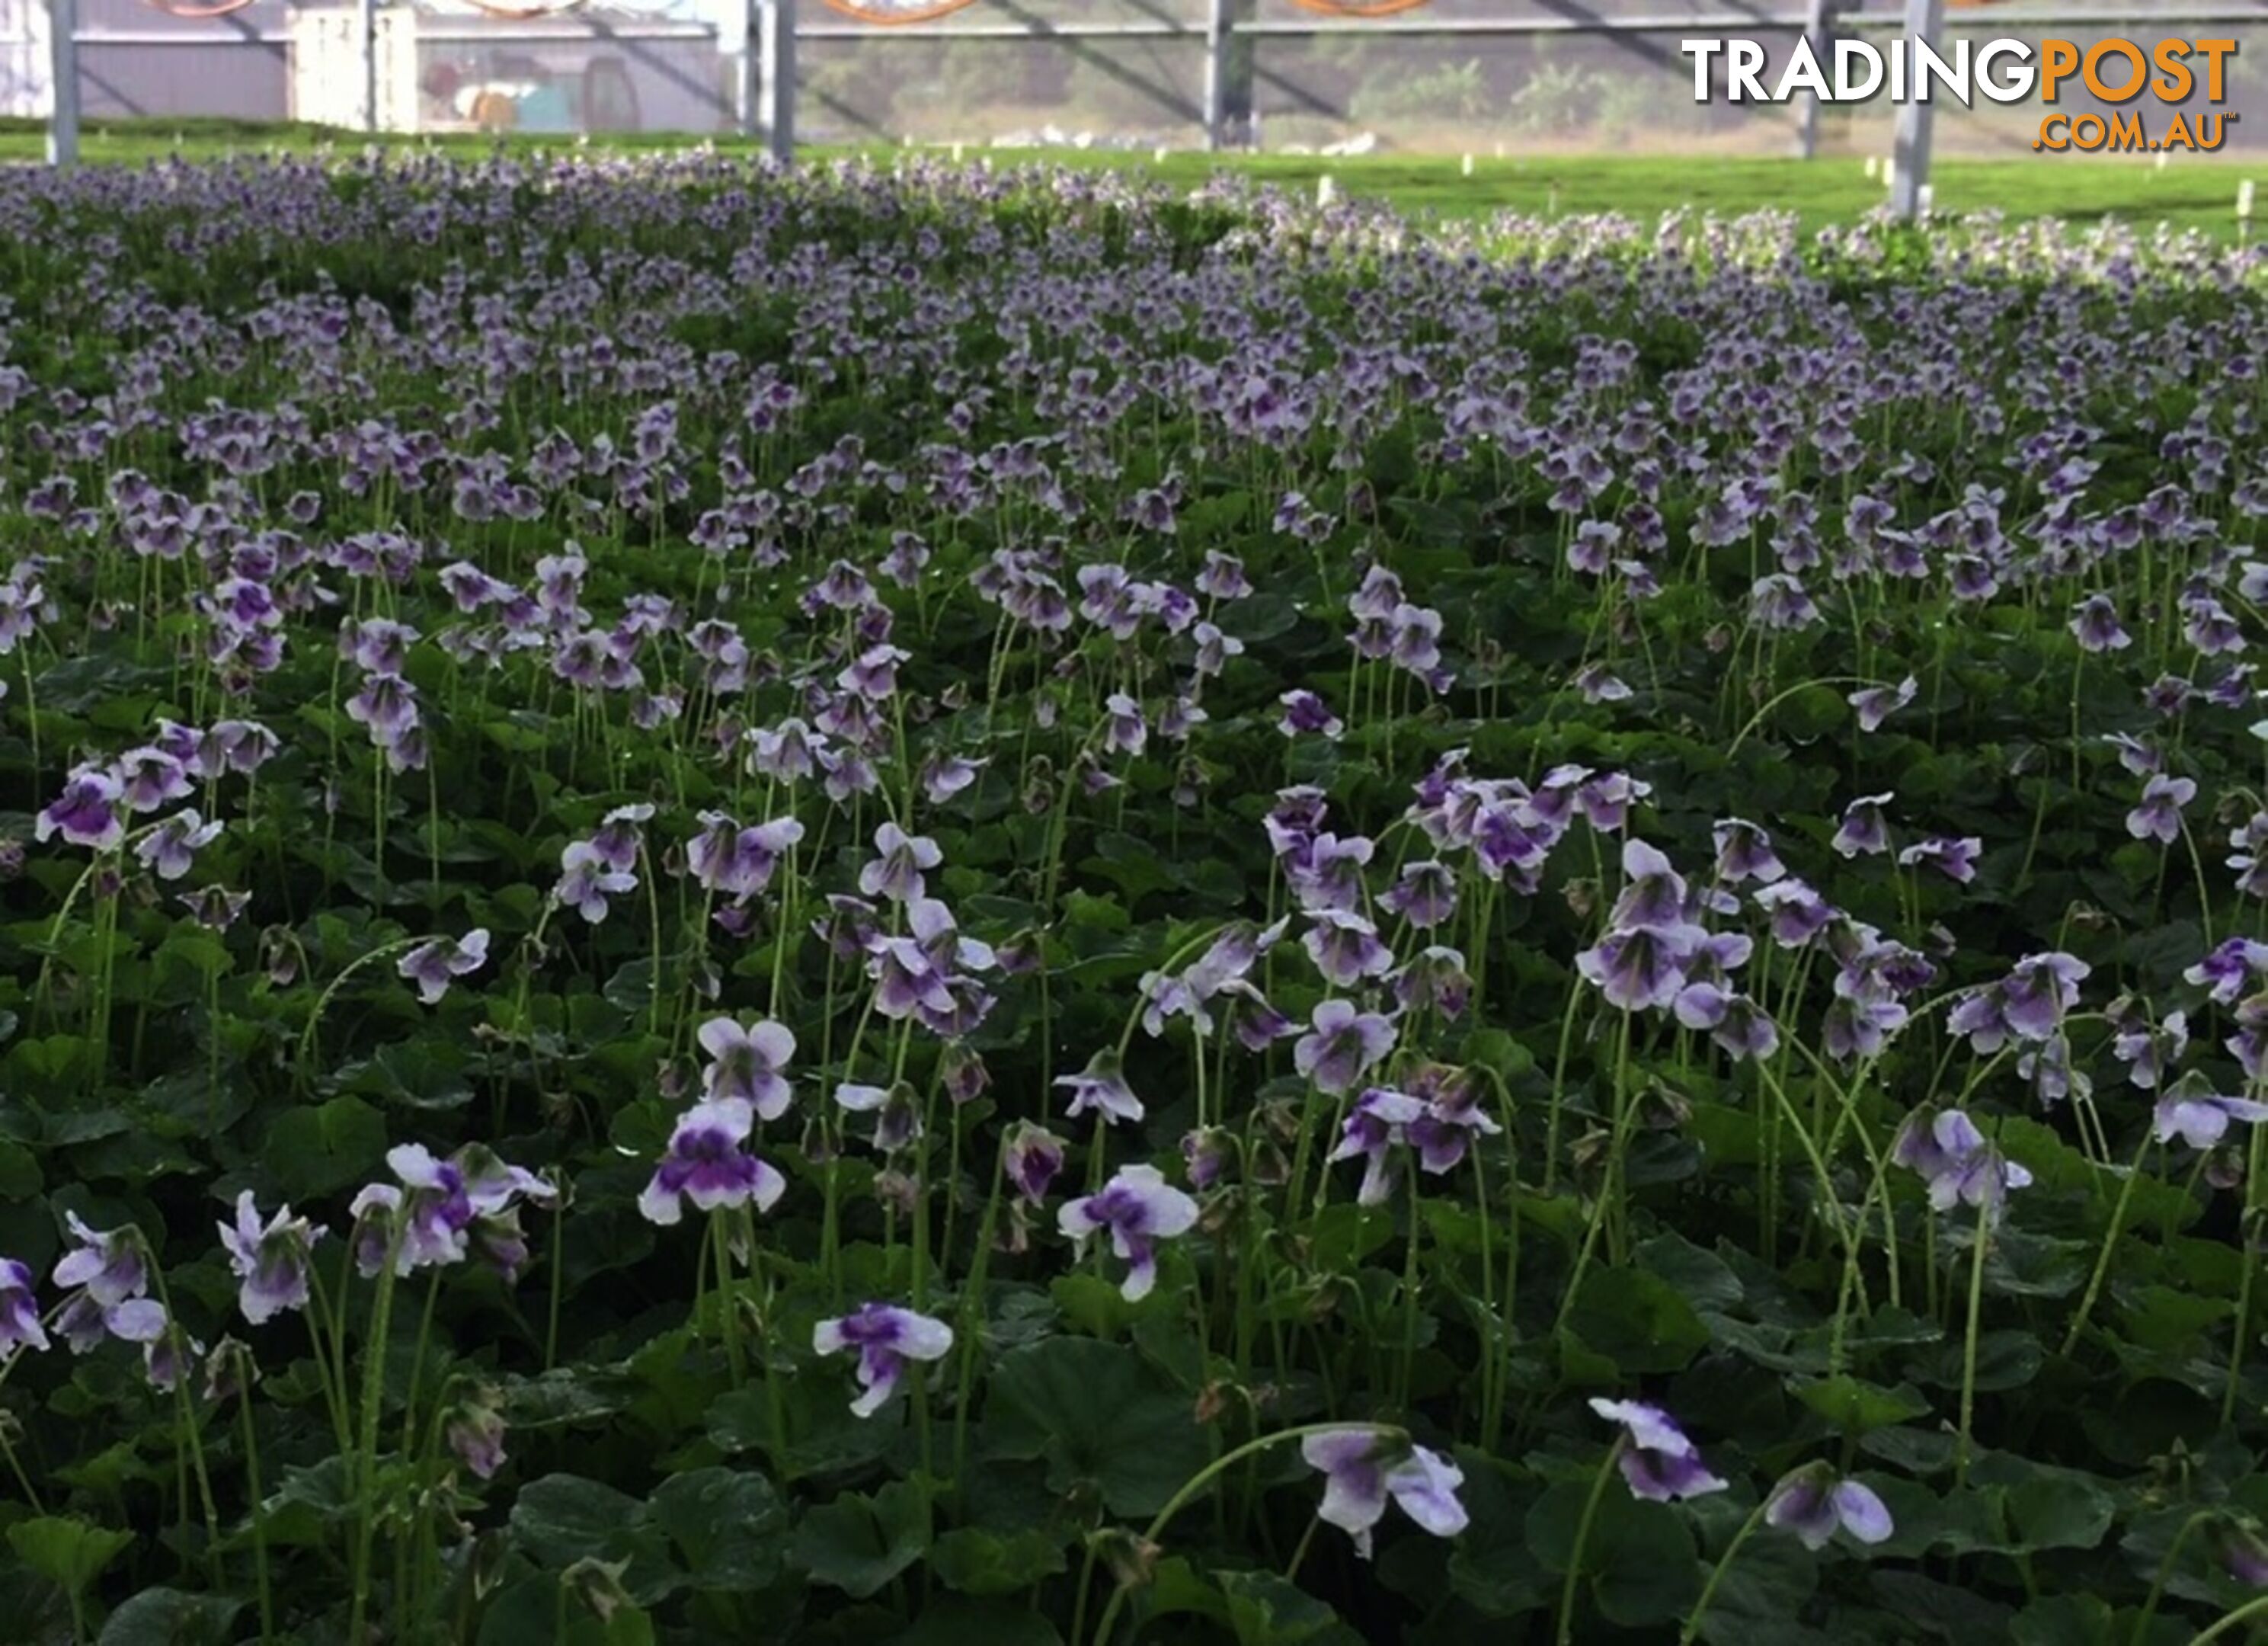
(63, 69)
(1217, 30)
(776, 113)
(1916, 119)
(1817, 34)
(366, 59)
(745, 89)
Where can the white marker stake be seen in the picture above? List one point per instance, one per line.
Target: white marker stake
(1159, 155)
(1327, 190)
(1890, 173)
(2244, 199)
(1873, 166)
(1468, 166)
(2163, 157)
(956, 154)
(1499, 150)
(1928, 198)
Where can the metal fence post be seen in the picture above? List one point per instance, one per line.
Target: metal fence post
(1817, 33)
(1917, 118)
(63, 69)
(1217, 30)
(745, 89)
(366, 58)
(776, 108)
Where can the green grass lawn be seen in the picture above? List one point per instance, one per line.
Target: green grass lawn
(2198, 194)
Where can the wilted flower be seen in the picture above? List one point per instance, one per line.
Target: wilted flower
(1139, 1207)
(1362, 1468)
(885, 1338)
(1032, 1159)
(474, 1432)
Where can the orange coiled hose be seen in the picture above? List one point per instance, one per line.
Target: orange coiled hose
(866, 12)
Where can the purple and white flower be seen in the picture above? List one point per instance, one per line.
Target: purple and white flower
(434, 965)
(1139, 1208)
(887, 1338)
(1363, 1469)
(706, 1164)
(1658, 1461)
(1813, 1505)
(270, 1259)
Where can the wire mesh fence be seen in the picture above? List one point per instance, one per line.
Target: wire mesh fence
(1444, 77)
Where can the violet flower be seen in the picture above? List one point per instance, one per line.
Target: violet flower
(1659, 1462)
(706, 1164)
(587, 878)
(1101, 1087)
(19, 1310)
(1364, 1468)
(2201, 1118)
(1032, 1159)
(887, 1339)
(433, 964)
(2159, 814)
(1139, 1207)
(1950, 1156)
(1342, 1046)
(86, 813)
(270, 1259)
(1813, 1505)
(745, 1063)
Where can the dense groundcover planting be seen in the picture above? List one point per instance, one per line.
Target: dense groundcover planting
(853, 908)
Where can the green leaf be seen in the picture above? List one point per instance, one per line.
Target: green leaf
(1639, 1557)
(1267, 1609)
(169, 1617)
(317, 1151)
(564, 1519)
(1638, 1320)
(977, 1561)
(2066, 1621)
(20, 1172)
(729, 1526)
(857, 1544)
(1763, 1589)
(1492, 1569)
(1859, 1407)
(1097, 1413)
(950, 1622)
(68, 1552)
